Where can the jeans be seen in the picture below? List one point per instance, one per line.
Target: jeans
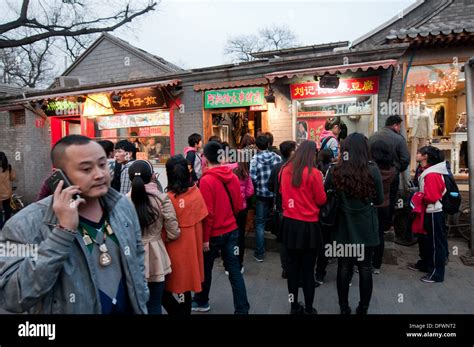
(156, 292)
(227, 244)
(242, 223)
(262, 208)
(345, 270)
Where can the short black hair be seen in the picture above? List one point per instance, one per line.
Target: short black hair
(211, 151)
(286, 147)
(435, 156)
(392, 120)
(215, 138)
(59, 149)
(262, 142)
(107, 145)
(270, 138)
(194, 139)
(126, 145)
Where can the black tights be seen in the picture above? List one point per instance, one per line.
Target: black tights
(301, 260)
(345, 270)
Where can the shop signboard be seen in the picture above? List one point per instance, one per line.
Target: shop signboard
(242, 97)
(138, 99)
(63, 107)
(347, 87)
(133, 120)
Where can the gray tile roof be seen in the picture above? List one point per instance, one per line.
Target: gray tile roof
(444, 28)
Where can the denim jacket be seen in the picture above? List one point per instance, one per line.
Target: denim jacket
(60, 279)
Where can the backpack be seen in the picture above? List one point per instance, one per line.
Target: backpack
(325, 142)
(452, 198)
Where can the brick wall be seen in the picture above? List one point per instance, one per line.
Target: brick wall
(27, 148)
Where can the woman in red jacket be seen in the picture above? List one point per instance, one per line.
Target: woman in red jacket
(303, 193)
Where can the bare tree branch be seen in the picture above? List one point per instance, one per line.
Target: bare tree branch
(241, 48)
(72, 29)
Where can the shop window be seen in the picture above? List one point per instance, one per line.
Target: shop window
(357, 112)
(149, 132)
(17, 118)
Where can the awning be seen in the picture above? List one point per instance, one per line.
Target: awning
(230, 84)
(332, 70)
(89, 89)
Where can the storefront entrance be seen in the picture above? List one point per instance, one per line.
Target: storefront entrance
(232, 125)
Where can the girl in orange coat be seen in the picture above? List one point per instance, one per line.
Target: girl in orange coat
(186, 253)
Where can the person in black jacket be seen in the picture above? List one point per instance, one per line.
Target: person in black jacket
(287, 149)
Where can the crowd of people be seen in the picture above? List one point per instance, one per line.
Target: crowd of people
(138, 247)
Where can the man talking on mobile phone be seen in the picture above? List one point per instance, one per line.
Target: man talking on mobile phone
(90, 258)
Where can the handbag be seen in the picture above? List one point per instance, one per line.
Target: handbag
(328, 212)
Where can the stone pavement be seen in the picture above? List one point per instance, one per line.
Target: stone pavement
(268, 294)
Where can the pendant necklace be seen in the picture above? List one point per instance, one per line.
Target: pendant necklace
(104, 259)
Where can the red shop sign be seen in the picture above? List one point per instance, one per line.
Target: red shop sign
(352, 86)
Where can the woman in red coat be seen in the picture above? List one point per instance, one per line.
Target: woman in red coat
(186, 253)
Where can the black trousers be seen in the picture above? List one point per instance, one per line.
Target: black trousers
(384, 224)
(322, 262)
(7, 210)
(393, 195)
(305, 260)
(345, 271)
(175, 307)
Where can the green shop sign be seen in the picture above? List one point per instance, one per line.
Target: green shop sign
(234, 97)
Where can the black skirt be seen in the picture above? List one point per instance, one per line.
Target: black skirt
(297, 234)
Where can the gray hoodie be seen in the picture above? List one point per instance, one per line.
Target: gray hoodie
(60, 278)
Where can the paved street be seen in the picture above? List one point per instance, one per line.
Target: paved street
(267, 291)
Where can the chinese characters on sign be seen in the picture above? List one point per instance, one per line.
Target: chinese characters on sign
(143, 98)
(234, 97)
(353, 86)
(134, 120)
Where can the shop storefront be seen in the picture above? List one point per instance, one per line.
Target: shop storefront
(436, 111)
(143, 116)
(354, 101)
(231, 113)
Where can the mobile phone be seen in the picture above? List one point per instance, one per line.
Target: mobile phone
(57, 176)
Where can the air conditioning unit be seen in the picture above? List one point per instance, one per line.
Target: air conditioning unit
(67, 81)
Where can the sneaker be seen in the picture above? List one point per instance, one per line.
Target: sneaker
(259, 258)
(319, 280)
(345, 309)
(227, 273)
(200, 308)
(376, 271)
(412, 267)
(350, 284)
(242, 270)
(427, 279)
(284, 275)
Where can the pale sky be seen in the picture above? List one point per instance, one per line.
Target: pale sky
(193, 33)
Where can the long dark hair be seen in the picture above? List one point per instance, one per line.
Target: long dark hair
(140, 173)
(179, 177)
(304, 157)
(4, 162)
(352, 174)
(247, 140)
(242, 170)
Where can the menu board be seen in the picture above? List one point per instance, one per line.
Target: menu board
(134, 120)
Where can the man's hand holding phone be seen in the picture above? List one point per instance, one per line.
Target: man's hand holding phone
(66, 207)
